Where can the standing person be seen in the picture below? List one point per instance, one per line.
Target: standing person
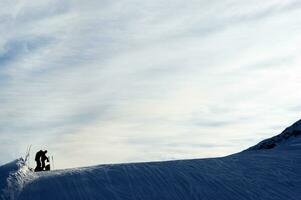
(38, 161)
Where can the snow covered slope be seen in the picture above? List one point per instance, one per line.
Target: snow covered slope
(289, 138)
(257, 173)
(13, 177)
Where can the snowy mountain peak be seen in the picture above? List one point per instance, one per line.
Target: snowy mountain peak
(289, 138)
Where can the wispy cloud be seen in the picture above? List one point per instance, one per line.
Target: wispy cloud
(103, 81)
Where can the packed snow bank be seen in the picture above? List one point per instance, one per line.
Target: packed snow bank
(5, 171)
(258, 173)
(268, 175)
(13, 177)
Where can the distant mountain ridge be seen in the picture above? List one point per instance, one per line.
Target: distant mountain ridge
(287, 135)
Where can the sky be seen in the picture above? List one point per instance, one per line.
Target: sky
(101, 81)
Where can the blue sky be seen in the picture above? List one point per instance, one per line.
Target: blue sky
(103, 81)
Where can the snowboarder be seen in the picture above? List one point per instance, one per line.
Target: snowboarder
(40, 160)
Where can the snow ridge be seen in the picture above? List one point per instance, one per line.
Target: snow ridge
(16, 180)
(287, 135)
(250, 175)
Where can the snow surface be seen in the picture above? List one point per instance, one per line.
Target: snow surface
(257, 173)
(289, 138)
(13, 177)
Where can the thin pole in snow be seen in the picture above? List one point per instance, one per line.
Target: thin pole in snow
(52, 162)
(27, 155)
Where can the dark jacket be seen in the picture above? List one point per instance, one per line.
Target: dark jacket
(39, 154)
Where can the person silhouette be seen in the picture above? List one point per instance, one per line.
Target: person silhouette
(40, 159)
